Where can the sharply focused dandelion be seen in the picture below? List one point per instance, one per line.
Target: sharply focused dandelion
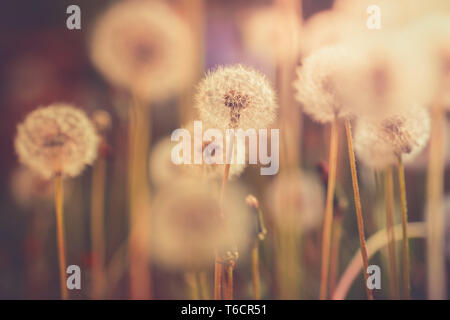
(57, 141)
(144, 47)
(318, 90)
(234, 97)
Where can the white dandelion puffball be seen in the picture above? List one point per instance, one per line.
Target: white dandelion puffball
(296, 200)
(272, 33)
(58, 139)
(318, 84)
(187, 228)
(144, 47)
(236, 97)
(433, 33)
(394, 74)
(380, 143)
(318, 33)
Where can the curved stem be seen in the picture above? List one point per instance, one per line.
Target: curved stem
(405, 252)
(374, 244)
(59, 204)
(359, 216)
(328, 220)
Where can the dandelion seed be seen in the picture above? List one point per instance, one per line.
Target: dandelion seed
(143, 46)
(236, 97)
(380, 143)
(58, 139)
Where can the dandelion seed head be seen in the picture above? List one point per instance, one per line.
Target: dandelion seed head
(318, 83)
(433, 33)
(272, 33)
(58, 139)
(389, 78)
(144, 47)
(380, 142)
(187, 227)
(296, 200)
(236, 97)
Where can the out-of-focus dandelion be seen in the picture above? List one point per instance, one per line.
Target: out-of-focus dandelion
(272, 33)
(318, 89)
(318, 82)
(147, 49)
(384, 143)
(380, 142)
(187, 228)
(28, 187)
(144, 47)
(57, 141)
(296, 201)
(389, 76)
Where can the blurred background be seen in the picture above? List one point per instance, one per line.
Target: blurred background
(42, 62)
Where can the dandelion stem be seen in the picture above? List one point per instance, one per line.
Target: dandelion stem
(255, 270)
(59, 204)
(218, 271)
(138, 194)
(97, 228)
(374, 244)
(203, 285)
(192, 284)
(334, 256)
(328, 220)
(229, 291)
(405, 253)
(392, 252)
(435, 209)
(359, 216)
